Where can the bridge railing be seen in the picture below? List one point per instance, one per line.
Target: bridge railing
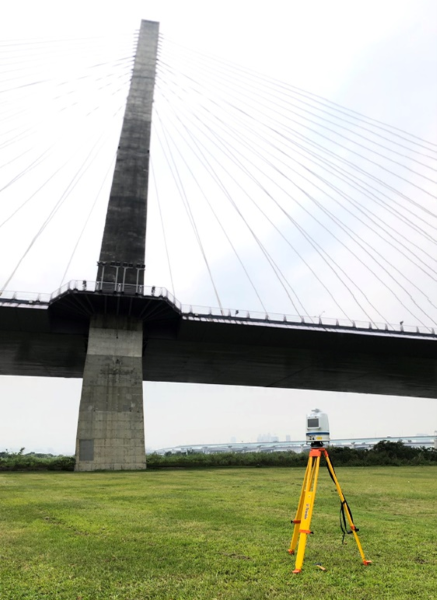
(84, 285)
(26, 297)
(206, 312)
(202, 312)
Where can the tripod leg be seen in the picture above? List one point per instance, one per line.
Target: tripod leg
(297, 519)
(346, 508)
(307, 508)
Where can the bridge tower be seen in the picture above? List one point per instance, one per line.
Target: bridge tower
(110, 433)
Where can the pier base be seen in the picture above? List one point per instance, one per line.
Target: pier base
(110, 433)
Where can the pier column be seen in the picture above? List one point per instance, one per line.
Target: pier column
(110, 433)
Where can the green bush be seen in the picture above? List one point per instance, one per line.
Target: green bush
(18, 461)
(383, 453)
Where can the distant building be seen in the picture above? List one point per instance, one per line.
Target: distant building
(267, 437)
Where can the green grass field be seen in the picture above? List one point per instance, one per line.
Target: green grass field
(214, 534)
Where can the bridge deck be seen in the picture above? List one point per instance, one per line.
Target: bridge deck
(49, 337)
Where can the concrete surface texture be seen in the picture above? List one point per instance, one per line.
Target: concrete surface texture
(110, 433)
(111, 423)
(125, 228)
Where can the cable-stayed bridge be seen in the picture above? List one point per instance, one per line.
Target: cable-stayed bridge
(348, 201)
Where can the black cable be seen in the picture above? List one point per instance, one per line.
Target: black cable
(111, 166)
(175, 175)
(335, 188)
(309, 239)
(162, 227)
(281, 278)
(38, 160)
(307, 141)
(242, 71)
(377, 276)
(273, 97)
(83, 168)
(363, 248)
(217, 218)
(354, 152)
(272, 102)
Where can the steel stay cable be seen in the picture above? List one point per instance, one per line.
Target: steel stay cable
(359, 259)
(344, 196)
(84, 167)
(111, 164)
(280, 276)
(364, 264)
(162, 226)
(48, 152)
(42, 62)
(207, 72)
(56, 83)
(63, 40)
(227, 89)
(336, 156)
(356, 182)
(41, 157)
(15, 158)
(217, 219)
(349, 199)
(244, 71)
(358, 206)
(110, 65)
(83, 93)
(318, 249)
(52, 174)
(353, 166)
(362, 247)
(366, 183)
(393, 173)
(251, 130)
(282, 279)
(32, 130)
(21, 56)
(306, 150)
(15, 114)
(309, 238)
(189, 213)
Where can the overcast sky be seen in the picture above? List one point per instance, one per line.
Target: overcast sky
(377, 58)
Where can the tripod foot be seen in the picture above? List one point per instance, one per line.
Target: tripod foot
(290, 551)
(367, 562)
(296, 571)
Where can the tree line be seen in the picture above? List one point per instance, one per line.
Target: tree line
(384, 453)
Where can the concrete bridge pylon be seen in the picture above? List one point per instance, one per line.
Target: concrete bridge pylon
(110, 433)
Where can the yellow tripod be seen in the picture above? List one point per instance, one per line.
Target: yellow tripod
(302, 521)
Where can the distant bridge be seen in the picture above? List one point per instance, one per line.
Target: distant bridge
(415, 441)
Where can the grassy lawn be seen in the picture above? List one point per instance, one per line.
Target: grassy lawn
(214, 534)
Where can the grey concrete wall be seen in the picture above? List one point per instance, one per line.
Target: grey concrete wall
(125, 228)
(110, 434)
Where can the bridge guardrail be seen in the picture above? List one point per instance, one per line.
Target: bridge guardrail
(205, 312)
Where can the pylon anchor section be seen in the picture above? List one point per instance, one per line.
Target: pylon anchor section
(110, 434)
(302, 520)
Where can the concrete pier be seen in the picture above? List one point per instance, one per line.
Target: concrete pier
(110, 432)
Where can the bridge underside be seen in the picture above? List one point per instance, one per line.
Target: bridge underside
(52, 342)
